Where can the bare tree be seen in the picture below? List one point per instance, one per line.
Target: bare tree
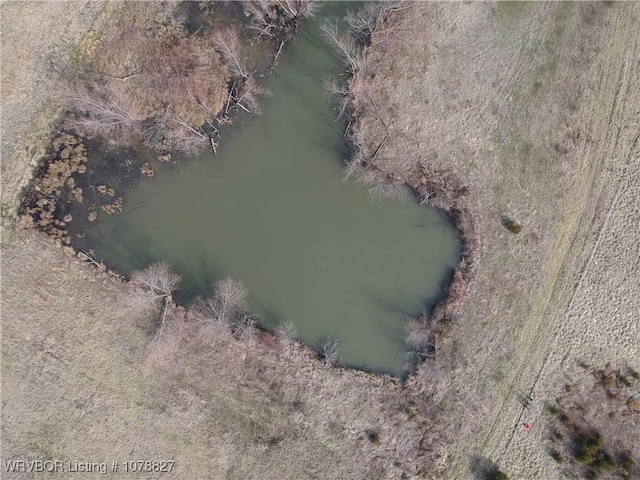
(249, 100)
(363, 20)
(348, 46)
(330, 351)
(380, 184)
(378, 18)
(287, 332)
(296, 9)
(391, 22)
(182, 136)
(244, 327)
(157, 279)
(419, 335)
(340, 94)
(99, 111)
(186, 140)
(229, 299)
(225, 312)
(262, 16)
(157, 283)
(227, 44)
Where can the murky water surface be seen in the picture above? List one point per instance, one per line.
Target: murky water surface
(273, 211)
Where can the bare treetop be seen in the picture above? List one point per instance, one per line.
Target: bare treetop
(227, 44)
(157, 279)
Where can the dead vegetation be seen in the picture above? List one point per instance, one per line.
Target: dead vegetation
(46, 204)
(155, 285)
(594, 425)
(145, 78)
(330, 351)
(272, 17)
(504, 110)
(370, 27)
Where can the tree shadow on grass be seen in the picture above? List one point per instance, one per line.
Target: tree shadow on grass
(486, 469)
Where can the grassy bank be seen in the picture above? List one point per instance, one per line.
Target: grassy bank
(76, 355)
(83, 380)
(527, 110)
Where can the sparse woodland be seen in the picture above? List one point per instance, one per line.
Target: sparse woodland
(147, 79)
(369, 28)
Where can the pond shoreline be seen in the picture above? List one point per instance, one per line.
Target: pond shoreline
(441, 189)
(59, 185)
(449, 198)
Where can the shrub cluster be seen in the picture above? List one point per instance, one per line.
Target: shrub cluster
(594, 431)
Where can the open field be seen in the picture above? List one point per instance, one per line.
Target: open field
(38, 39)
(534, 108)
(82, 381)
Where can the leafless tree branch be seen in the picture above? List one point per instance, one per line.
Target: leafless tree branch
(330, 351)
(287, 332)
(348, 46)
(227, 44)
(156, 283)
(99, 111)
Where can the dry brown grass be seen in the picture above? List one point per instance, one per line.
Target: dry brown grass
(530, 108)
(141, 75)
(83, 378)
(37, 43)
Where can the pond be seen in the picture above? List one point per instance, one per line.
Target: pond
(274, 211)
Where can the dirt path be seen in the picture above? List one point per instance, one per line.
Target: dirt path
(593, 309)
(588, 314)
(37, 40)
(534, 107)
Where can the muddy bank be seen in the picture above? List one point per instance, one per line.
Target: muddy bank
(150, 85)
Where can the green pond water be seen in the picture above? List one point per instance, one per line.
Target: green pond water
(273, 211)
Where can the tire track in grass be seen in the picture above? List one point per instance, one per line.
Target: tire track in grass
(534, 333)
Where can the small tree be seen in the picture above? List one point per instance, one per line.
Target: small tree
(157, 280)
(227, 44)
(330, 351)
(226, 311)
(363, 20)
(349, 47)
(287, 332)
(249, 100)
(157, 283)
(419, 335)
(228, 300)
(99, 111)
(340, 94)
(244, 327)
(297, 9)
